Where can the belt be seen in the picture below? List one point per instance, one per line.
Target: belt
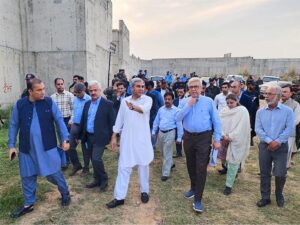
(166, 131)
(197, 133)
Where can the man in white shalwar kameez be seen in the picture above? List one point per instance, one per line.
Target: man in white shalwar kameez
(135, 145)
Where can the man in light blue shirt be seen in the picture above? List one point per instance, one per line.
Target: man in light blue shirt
(169, 78)
(200, 119)
(78, 103)
(166, 122)
(274, 124)
(183, 78)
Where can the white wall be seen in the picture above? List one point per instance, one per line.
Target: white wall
(11, 66)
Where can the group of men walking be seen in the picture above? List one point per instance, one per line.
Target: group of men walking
(94, 121)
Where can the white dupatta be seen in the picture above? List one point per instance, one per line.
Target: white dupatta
(236, 124)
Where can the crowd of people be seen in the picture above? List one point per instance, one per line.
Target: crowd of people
(140, 115)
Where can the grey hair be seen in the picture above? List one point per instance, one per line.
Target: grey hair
(195, 79)
(94, 82)
(135, 80)
(277, 89)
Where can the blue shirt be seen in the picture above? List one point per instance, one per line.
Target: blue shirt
(158, 97)
(183, 79)
(274, 125)
(166, 120)
(91, 115)
(78, 105)
(202, 116)
(169, 78)
(38, 161)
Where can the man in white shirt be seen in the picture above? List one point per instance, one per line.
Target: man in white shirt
(135, 145)
(291, 103)
(220, 99)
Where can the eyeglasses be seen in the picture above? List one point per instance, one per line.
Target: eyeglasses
(269, 94)
(194, 87)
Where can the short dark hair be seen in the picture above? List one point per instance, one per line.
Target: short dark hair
(288, 86)
(76, 76)
(58, 78)
(33, 82)
(150, 83)
(80, 78)
(120, 83)
(181, 88)
(169, 94)
(225, 83)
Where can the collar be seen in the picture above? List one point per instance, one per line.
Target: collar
(279, 106)
(64, 92)
(172, 107)
(97, 101)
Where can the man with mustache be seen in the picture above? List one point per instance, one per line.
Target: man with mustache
(273, 125)
(98, 118)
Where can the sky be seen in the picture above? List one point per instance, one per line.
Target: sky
(211, 28)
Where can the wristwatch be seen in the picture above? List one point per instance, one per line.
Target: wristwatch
(132, 108)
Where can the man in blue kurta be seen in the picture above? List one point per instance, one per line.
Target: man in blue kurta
(34, 116)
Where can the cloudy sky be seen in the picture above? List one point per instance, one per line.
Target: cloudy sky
(210, 28)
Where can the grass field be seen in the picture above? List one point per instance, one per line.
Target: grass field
(166, 206)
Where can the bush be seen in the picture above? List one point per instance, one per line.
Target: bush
(5, 116)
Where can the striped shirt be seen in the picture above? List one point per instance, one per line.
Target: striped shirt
(64, 102)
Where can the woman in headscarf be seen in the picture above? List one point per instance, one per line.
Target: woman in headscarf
(235, 136)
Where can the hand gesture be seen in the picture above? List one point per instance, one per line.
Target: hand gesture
(114, 143)
(217, 145)
(65, 146)
(12, 153)
(129, 105)
(273, 146)
(192, 101)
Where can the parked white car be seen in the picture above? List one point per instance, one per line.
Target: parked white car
(263, 87)
(269, 78)
(234, 77)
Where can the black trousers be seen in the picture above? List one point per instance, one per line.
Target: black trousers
(72, 151)
(98, 166)
(278, 159)
(197, 150)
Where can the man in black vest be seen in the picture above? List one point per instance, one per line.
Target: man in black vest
(98, 118)
(34, 117)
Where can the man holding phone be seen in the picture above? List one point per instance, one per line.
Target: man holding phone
(33, 117)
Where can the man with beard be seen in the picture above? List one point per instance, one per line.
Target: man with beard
(274, 124)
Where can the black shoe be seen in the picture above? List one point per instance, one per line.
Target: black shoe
(280, 201)
(251, 142)
(144, 197)
(177, 156)
(114, 203)
(84, 173)
(22, 211)
(173, 166)
(103, 186)
(164, 178)
(93, 184)
(227, 191)
(263, 202)
(222, 171)
(66, 201)
(75, 169)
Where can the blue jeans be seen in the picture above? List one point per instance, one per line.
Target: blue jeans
(29, 187)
